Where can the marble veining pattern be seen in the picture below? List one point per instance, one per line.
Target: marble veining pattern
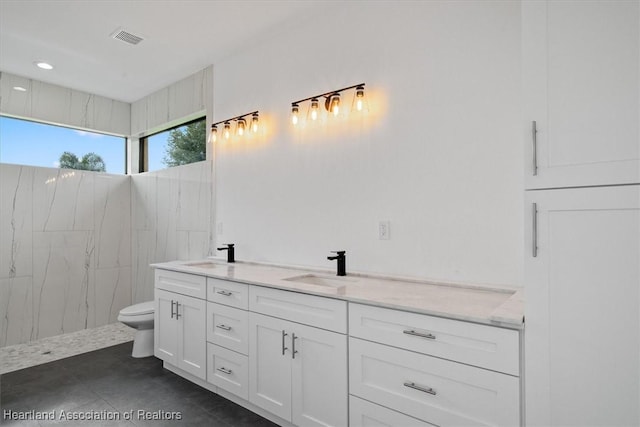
(20, 356)
(57, 104)
(171, 219)
(65, 251)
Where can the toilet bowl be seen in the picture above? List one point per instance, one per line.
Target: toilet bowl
(140, 317)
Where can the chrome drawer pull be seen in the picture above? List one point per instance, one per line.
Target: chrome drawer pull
(225, 370)
(428, 390)
(225, 327)
(293, 346)
(418, 334)
(284, 334)
(225, 293)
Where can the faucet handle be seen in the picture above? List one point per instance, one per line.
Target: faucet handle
(340, 253)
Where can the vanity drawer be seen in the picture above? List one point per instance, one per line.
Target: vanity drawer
(228, 370)
(431, 389)
(367, 414)
(229, 293)
(181, 283)
(325, 313)
(480, 345)
(228, 327)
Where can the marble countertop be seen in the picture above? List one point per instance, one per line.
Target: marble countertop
(481, 304)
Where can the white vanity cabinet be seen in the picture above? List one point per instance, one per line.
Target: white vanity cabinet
(179, 331)
(297, 371)
(440, 371)
(581, 87)
(228, 336)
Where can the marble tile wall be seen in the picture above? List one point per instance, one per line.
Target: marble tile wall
(65, 251)
(189, 97)
(171, 219)
(56, 104)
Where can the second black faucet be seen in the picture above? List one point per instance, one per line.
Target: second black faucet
(230, 252)
(342, 262)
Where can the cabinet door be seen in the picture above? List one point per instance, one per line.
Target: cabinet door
(581, 86)
(270, 364)
(319, 375)
(582, 336)
(192, 347)
(165, 331)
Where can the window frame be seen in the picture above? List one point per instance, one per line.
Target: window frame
(143, 145)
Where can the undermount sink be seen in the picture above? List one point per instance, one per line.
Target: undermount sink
(318, 280)
(202, 264)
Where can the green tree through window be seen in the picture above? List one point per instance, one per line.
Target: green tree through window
(89, 162)
(186, 144)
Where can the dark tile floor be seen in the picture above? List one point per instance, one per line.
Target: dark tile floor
(109, 382)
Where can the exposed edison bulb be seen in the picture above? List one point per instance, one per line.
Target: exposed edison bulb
(335, 104)
(227, 130)
(359, 98)
(294, 114)
(214, 133)
(314, 109)
(241, 126)
(254, 122)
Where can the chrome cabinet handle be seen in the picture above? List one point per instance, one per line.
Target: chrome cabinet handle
(225, 370)
(172, 313)
(177, 310)
(534, 143)
(225, 327)
(428, 336)
(225, 293)
(293, 346)
(534, 230)
(414, 386)
(284, 334)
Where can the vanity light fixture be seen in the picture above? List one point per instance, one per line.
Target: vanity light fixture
(331, 102)
(241, 126)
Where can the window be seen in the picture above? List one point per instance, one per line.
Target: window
(180, 145)
(30, 143)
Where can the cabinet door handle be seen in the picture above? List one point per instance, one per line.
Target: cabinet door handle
(225, 293)
(284, 334)
(172, 313)
(293, 346)
(225, 327)
(414, 386)
(534, 230)
(534, 147)
(177, 310)
(224, 370)
(428, 336)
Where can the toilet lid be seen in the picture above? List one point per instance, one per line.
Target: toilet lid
(138, 309)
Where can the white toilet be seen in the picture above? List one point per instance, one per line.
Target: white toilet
(140, 317)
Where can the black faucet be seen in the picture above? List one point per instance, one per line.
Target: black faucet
(230, 252)
(342, 262)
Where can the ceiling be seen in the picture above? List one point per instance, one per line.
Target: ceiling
(180, 37)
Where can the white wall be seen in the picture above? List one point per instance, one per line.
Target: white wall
(439, 154)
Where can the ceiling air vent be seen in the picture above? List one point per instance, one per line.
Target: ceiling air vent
(126, 36)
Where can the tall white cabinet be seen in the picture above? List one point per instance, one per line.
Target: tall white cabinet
(581, 79)
(581, 88)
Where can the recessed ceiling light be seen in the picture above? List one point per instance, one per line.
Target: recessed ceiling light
(19, 88)
(44, 65)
